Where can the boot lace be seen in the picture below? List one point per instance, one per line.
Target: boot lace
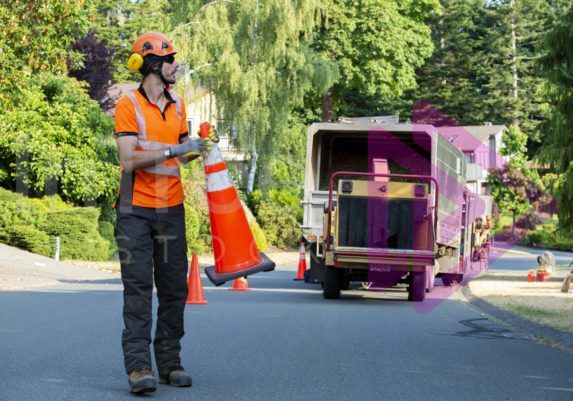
(143, 372)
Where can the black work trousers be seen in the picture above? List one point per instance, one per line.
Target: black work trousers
(152, 244)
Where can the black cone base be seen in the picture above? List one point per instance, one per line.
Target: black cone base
(218, 279)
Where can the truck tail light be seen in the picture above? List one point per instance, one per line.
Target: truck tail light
(346, 187)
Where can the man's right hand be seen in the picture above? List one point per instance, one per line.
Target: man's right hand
(194, 147)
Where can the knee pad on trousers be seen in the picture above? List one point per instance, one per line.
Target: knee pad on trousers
(137, 304)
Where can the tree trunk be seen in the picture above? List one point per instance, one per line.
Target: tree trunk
(327, 106)
(252, 170)
(514, 68)
(513, 233)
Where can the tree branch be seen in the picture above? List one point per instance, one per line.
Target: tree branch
(215, 2)
(189, 23)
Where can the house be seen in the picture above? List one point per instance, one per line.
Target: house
(480, 145)
(117, 91)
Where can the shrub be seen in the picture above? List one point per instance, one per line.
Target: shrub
(565, 244)
(197, 222)
(106, 230)
(279, 224)
(538, 237)
(258, 233)
(15, 209)
(28, 238)
(528, 221)
(78, 232)
(549, 228)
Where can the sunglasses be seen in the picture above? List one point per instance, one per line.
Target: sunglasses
(169, 59)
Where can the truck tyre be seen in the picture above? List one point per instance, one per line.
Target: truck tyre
(331, 287)
(417, 288)
(450, 279)
(430, 280)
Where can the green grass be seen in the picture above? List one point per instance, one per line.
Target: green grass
(505, 220)
(530, 313)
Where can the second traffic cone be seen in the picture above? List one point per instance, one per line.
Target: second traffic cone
(240, 284)
(195, 295)
(236, 253)
(301, 263)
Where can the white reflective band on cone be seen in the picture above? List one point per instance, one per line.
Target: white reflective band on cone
(214, 156)
(302, 257)
(164, 170)
(219, 181)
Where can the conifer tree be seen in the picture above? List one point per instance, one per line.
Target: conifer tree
(557, 149)
(263, 65)
(450, 78)
(511, 92)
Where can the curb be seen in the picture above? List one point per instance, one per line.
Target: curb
(512, 251)
(515, 323)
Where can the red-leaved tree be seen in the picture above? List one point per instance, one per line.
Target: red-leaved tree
(97, 70)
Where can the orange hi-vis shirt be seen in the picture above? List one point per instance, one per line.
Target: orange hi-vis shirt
(158, 186)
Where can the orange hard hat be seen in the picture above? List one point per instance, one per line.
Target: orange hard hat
(149, 43)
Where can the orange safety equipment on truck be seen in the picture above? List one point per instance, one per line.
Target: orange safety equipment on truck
(158, 186)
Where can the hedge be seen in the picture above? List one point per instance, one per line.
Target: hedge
(33, 225)
(28, 238)
(78, 232)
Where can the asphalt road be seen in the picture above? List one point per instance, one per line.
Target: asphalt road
(504, 261)
(281, 341)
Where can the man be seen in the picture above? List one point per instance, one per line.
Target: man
(152, 138)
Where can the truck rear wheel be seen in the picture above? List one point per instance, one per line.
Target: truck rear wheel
(450, 279)
(417, 288)
(331, 287)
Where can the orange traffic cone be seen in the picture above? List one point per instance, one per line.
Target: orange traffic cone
(236, 253)
(240, 284)
(301, 263)
(195, 285)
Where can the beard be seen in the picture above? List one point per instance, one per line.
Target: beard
(171, 79)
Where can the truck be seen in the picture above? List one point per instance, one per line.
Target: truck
(385, 203)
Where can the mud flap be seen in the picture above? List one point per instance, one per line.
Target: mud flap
(317, 265)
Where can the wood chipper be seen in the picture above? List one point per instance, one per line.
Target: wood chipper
(385, 203)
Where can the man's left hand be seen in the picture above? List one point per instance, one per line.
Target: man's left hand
(213, 135)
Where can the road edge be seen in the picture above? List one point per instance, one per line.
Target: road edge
(516, 323)
(513, 251)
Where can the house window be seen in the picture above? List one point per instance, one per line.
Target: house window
(190, 126)
(470, 158)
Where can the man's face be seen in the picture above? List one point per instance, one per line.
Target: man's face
(169, 69)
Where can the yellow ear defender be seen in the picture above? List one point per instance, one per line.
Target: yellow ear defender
(135, 61)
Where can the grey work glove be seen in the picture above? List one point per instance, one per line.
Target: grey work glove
(194, 147)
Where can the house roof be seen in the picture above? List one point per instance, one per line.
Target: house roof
(469, 138)
(117, 91)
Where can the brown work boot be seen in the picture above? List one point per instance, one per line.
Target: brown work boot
(176, 376)
(142, 380)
